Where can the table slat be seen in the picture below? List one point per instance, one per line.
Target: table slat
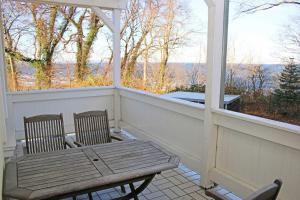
(52, 174)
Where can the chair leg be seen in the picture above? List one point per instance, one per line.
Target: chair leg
(123, 189)
(133, 191)
(90, 196)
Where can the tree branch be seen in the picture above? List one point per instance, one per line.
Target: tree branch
(266, 6)
(19, 56)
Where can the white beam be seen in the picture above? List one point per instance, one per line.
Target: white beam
(213, 85)
(117, 67)
(117, 48)
(104, 18)
(3, 100)
(7, 130)
(108, 4)
(209, 3)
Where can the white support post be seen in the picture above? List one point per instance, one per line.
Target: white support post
(117, 68)
(7, 130)
(213, 86)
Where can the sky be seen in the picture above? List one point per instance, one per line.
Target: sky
(195, 50)
(252, 38)
(258, 35)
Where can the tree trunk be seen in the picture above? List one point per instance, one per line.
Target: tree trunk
(78, 66)
(163, 64)
(84, 45)
(145, 67)
(14, 73)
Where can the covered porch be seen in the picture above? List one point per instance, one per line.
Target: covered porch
(238, 151)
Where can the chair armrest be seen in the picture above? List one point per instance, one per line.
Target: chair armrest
(213, 192)
(78, 144)
(69, 144)
(113, 137)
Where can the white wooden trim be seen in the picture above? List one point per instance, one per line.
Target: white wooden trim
(209, 3)
(58, 94)
(107, 4)
(117, 67)
(3, 85)
(117, 48)
(193, 110)
(3, 80)
(213, 85)
(50, 91)
(104, 18)
(259, 120)
(287, 135)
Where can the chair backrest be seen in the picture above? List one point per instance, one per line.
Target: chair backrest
(269, 192)
(92, 127)
(44, 133)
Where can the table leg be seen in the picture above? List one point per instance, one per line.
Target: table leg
(133, 191)
(123, 189)
(138, 190)
(90, 196)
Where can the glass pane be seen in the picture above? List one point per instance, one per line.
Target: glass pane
(164, 46)
(263, 57)
(54, 46)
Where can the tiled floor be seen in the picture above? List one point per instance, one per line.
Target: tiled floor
(178, 184)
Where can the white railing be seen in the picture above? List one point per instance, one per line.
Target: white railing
(251, 151)
(65, 101)
(177, 125)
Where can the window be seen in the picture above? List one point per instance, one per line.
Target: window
(54, 46)
(164, 45)
(263, 59)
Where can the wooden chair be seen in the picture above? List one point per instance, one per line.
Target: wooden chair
(44, 133)
(92, 128)
(269, 192)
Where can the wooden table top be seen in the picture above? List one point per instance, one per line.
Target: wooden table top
(46, 175)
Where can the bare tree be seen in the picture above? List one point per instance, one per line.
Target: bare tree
(84, 41)
(250, 6)
(230, 67)
(149, 49)
(13, 30)
(171, 35)
(289, 39)
(49, 29)
(257, 77)
(138, 23)
(196, 76)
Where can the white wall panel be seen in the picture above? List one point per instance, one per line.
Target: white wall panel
(55, 102)
(257, 162)
(164, 123)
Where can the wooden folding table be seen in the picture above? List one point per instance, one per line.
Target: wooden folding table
(71, 172)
